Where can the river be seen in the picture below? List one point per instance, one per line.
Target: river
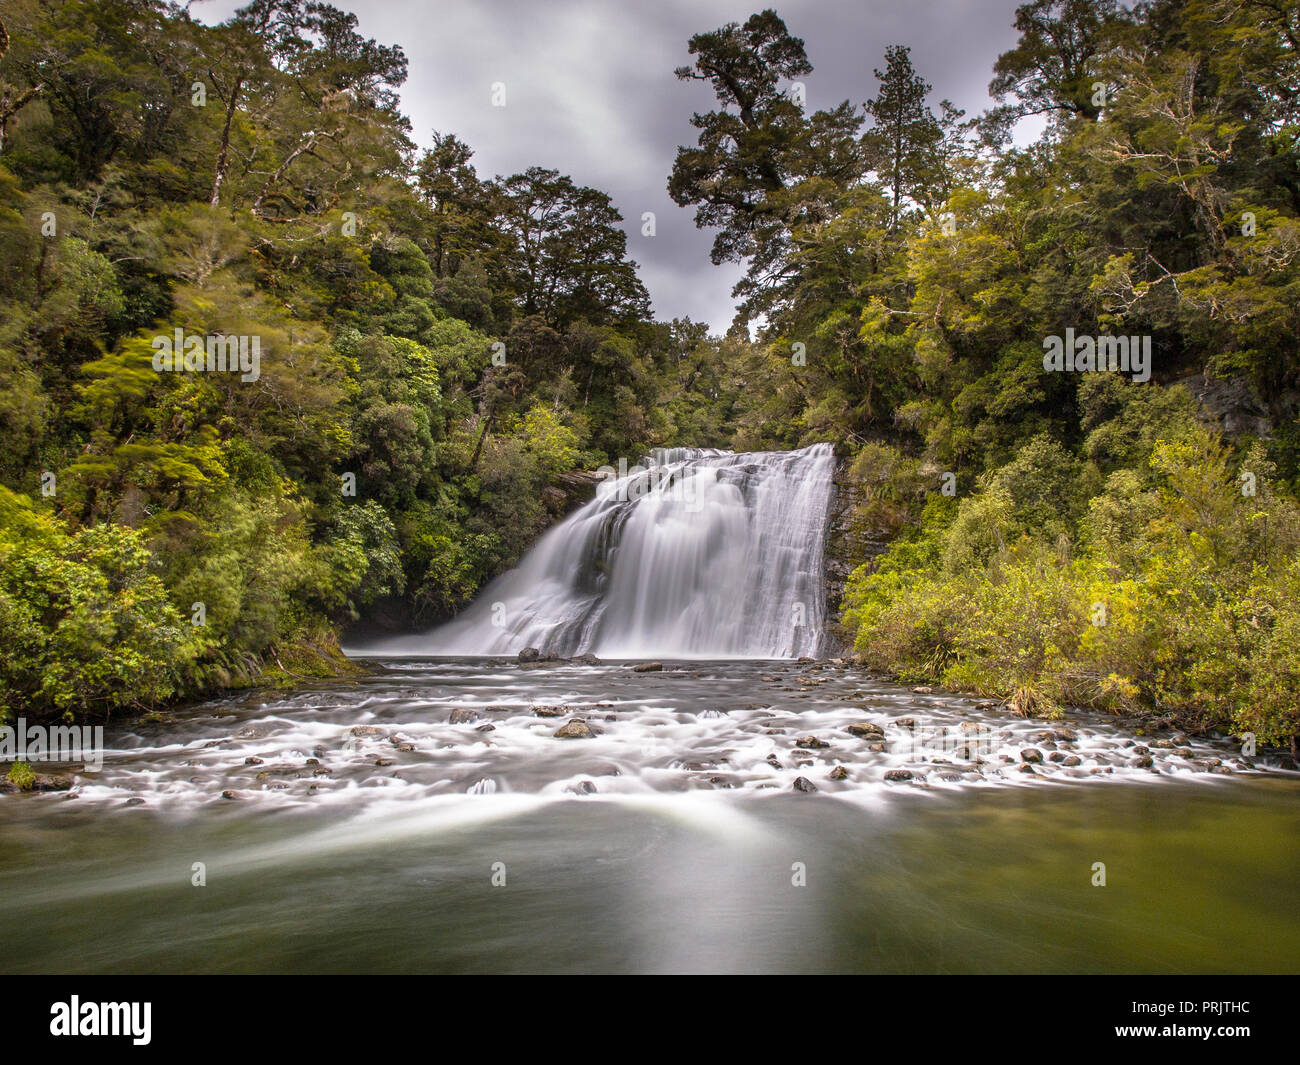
(377, 825)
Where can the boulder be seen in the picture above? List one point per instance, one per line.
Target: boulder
(574, 729)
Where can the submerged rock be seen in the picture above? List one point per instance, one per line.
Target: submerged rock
(461, 716)
(366, 730)
(648, 667)
(810, 743)
(1031, 754)
(865, 730)
(803, 784)
(895, 776)
(253, 732)
(838, 773)
(550, 711)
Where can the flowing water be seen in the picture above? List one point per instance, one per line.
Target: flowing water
(734, 810)
(695, 554)
(369, 833)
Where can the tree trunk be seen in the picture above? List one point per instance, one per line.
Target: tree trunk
(223, 156)
(478, 448)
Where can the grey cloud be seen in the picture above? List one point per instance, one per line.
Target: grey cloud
(590, 92)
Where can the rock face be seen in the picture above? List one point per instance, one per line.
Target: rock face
(1232, 404)
(850, 541)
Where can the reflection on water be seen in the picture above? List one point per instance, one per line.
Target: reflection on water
(989, 875)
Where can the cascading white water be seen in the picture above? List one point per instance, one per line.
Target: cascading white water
(695, 554)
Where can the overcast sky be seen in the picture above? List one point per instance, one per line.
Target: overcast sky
(590, 92)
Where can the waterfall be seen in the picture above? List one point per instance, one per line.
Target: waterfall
(692, 554)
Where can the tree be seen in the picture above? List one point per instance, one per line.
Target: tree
(570, 254)
(903, 145)
(1053, 68)
(760, 164)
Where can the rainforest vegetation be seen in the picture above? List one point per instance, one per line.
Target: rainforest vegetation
(440, 349)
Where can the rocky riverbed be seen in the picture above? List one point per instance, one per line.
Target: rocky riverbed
(587, 729)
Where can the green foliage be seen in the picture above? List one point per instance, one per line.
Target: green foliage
(86, 625)
(1182, 596)
(22, 776)
(209, 529)
(453, 346)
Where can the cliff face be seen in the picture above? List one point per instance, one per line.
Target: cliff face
(850, 541)
(1232, 405)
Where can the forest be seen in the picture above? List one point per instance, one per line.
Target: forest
(1062, 377)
